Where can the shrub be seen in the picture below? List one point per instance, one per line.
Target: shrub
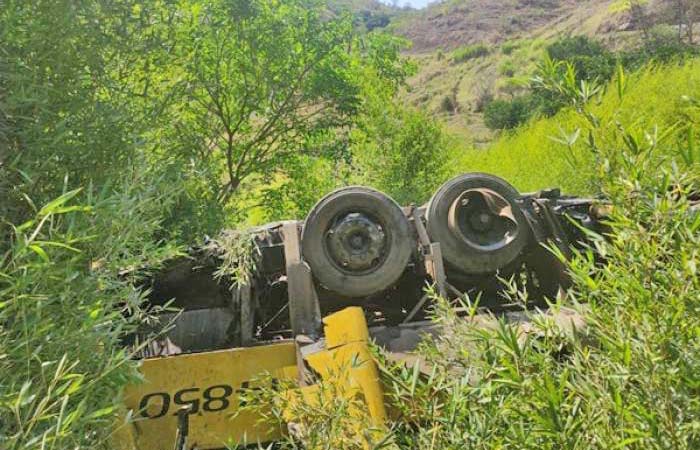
(507, 114)
(588, 60)
(509, 47)
(403, 153)
(660, 48)
(630, 374)
(448, 104)
(463, 54)
(372, 19)
(66, 303)
(507, 68)
(589, 57)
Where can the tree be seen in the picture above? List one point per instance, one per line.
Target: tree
(685, 13)
(261, 79)
(63, 118)
(639, 13)
(401, 152)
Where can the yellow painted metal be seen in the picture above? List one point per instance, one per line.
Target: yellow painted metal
(348, 360)
(345, 326)
(212, 381)
(350, 375)
(352, 365)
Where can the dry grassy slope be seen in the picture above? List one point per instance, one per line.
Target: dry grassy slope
(516, 33)
(453, 23)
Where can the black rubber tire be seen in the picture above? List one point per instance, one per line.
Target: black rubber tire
(394, 223)
(455, 251)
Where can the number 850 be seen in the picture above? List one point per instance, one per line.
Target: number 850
(214, 398)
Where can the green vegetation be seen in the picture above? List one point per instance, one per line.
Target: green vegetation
(506, 114)
(129, 130)
(627, 375)
(402, 152)
(630, 377)
(509, 47)
(590, 61)
(590, 58)
(534, 157)
(463, 54)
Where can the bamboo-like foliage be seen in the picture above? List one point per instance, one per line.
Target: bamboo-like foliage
(627, 378)
(68, 297)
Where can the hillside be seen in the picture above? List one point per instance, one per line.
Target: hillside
(663, 97)
(453, 23)
(513, 35)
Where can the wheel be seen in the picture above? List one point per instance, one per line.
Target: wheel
(357, 241)
(476, 220)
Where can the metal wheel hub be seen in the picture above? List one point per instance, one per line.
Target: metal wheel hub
(356, 242)
(482, 218)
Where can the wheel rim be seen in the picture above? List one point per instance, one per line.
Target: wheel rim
(476, 219)
(482, 219)
(356, 243)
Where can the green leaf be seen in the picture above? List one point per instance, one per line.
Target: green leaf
(54, 206)
(39, 251)
(621, 82)
(101, 412)
(58, 244)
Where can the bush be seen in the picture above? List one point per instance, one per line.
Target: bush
(403, 153)
(660, 48)
(589, 57)
(463, 54)
(372, 19)
(665, 96)
(507, 68)
(509, 47)
(66, 303)
(507, 114)
(448, 104)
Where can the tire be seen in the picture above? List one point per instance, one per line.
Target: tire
(460, 254)
(396, 243)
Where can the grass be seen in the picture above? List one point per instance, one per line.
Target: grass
(627, 376)
(463, 54)
(534, 157)
(479, 70)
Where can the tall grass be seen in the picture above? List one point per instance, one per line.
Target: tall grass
(67, 298)
(628, 377)
(533, 156)
(468, 52)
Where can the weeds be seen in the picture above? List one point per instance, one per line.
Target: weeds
(624, 378)
(66, 301)
(463, 54)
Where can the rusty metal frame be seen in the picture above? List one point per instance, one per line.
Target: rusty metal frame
(434, 265)
(304, 308)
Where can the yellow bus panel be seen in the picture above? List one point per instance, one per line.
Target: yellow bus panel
(209, 384)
